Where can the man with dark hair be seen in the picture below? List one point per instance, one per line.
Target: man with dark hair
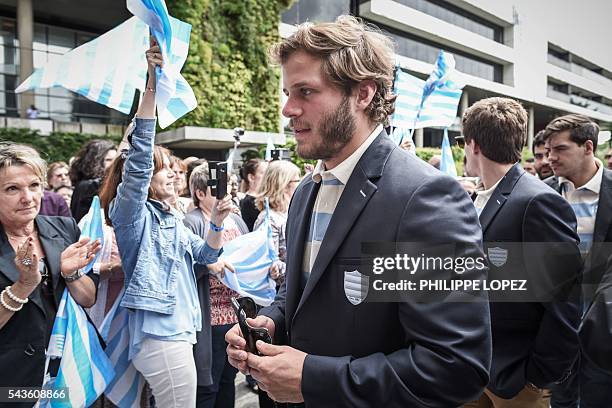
(581, 178)
(608, 159)
(542, 167)
(529, 166)
(342, 351)
(534, 343)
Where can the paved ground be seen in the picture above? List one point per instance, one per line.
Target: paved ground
(245, 398)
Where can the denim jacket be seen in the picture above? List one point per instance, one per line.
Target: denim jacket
(152, 240)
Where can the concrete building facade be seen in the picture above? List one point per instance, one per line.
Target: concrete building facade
(552, 56)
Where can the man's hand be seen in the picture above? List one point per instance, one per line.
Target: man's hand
(278, 371)
(236, 344)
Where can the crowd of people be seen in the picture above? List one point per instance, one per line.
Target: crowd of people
(165, 230)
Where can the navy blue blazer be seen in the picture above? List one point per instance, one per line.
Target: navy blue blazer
(534, 342)
(23, 337)
(382, 354)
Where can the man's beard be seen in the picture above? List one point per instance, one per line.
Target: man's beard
(336, 129)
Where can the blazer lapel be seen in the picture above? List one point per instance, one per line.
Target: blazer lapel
(299, 219)
(8, 268)
(53, 245)
(603, 219)
(500, 195)
(357, 192)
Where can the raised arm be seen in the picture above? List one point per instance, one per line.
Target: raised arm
(129, 204)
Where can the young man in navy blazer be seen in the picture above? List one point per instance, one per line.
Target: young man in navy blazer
(341, 351)
(529, 231)
(582, 179)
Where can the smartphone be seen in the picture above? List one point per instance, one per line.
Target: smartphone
(250, 334)
(221, 180)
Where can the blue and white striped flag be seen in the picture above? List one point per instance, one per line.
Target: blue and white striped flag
(447, 164)
(428, 103)
(126, 388)
(84, 370)
(252, 255)
(409, 90)
(106, 70)
(441, 94)
(93, 227)
(174, 97)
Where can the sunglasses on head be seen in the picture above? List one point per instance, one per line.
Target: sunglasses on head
(460, 141)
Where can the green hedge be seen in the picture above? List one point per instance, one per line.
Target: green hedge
(58, 146)
(228, 66)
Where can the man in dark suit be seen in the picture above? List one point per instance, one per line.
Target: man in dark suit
(583, 180)
(534, 343)
(542, 166)
(341, 351)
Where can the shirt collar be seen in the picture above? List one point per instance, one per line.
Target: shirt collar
(489, 192)
(344, 170)
(594, 184)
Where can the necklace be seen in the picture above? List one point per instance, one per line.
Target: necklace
(21, 239)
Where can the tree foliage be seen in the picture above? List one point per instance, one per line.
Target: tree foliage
(58, 146)
(228, 66)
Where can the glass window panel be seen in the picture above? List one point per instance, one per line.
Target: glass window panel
(60, 105)
(59, 92)
(60, 117)
(456, 17)
(82, 38)
(40, 58)
(8, 63)
(315, 11)
(60, 40)
(8, 34)
(40, 37)
(42, 104)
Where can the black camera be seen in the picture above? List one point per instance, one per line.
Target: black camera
(217, 180)
(238, 133)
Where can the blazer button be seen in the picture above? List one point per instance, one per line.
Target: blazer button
(29, 350)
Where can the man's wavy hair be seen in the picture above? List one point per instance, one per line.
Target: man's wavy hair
(351, 51)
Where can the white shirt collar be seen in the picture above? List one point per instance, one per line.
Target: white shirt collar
(594, 184)
(344, 170)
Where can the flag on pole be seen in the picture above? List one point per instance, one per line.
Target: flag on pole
(252, 255)
(428, 103)
(174, 97)
(447, 164)
(84, 370)
(126, 388)
(441, 94)
(106, 70)
(93, 227)
(409, 90)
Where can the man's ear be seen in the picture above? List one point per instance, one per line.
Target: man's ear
(365, 93)
(200, 195)
(588, 146)
(475, 147)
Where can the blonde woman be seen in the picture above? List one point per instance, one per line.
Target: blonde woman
(278, 185)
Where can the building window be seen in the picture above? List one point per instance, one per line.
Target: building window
(315, 11)
(54, 103)
(571, 94)
(411, 46)
(457, 16)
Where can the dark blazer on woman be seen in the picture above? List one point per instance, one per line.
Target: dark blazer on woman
(23, 338)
